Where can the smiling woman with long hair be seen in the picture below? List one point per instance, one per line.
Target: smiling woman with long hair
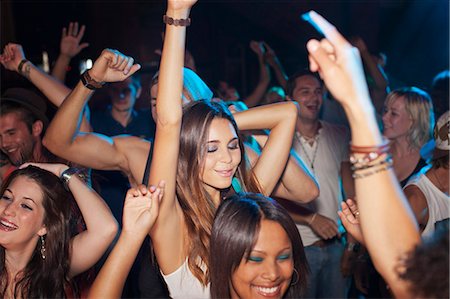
(38, 257)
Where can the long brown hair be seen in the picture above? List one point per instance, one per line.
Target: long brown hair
(198, 207)
(44, 278)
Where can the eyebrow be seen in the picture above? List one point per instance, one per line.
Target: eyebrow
(25, 197)
(287, 248)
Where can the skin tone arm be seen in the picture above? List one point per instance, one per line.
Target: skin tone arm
(296, 182)
(387, 223)
(170, 252)
(381, 83)
(54, 90)
(264, 76)
(271, 58)
(271, 164)
(69, 47)
(101, 226)
(89, 149)
(139, 214)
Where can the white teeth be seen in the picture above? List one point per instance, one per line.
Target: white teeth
(7, 224)
(267, 290)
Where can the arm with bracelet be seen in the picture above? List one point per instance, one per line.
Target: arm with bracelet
(13, 59)
(101, 226)
(387, 222)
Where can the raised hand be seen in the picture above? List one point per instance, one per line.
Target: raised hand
(141, 208)
(55, 168)
(270, 56)
(350, 219)
(257, 47)
(323, 226)
(70, 40)
(113, 66)
(338, 63)
(180, 4)
(12, 56)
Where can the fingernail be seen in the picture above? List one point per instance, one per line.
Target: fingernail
(312, 45)
(306, 16)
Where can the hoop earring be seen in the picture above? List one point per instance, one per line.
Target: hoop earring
(43, 248)
(297, 277)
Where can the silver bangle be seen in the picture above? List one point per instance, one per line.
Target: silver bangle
(67, 174)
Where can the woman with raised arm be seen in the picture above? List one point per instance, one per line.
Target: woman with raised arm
(198, 153)
(387, 222)
(38, 257)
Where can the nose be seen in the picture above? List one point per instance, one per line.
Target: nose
(9, 210)
(271, 271)
(226, 156)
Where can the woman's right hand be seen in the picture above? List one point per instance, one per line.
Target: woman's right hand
(12, 56)
(141, 208)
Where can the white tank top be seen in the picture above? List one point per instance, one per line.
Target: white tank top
(183, 284)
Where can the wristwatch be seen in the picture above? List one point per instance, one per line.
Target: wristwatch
(67, 174)
(90, 83)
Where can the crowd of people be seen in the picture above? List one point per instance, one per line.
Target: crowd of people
(203, 197)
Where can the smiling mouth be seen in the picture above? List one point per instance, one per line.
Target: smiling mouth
(7, 226)
(268, 291)
(225, 173)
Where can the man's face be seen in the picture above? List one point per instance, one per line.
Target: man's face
(308, 93)
(123, 95)
(16, 140)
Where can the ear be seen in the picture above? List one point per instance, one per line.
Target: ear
(138, 92)
(37, 128)
(42, 231)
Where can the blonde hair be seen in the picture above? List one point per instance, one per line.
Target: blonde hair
(419, 107)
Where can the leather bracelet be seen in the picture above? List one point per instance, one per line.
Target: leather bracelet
(176, 22)
(90, 83)
(21, 64)
(383, 147)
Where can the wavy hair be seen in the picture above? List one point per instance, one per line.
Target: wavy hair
(419, 107)
(235, 232)
(198, 207)
(47, 278)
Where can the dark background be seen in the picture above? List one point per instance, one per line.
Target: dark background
(413, 34)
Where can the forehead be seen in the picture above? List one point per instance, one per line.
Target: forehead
(11, 120)
(22, 186)
(221, 129)
(272, 237)
(307, 81)
(397, 103)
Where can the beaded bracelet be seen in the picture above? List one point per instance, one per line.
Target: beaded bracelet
(367, 174)
(176, 22)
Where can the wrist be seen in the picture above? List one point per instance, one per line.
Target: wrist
(178, 13)
(64, 57)
(21, 65)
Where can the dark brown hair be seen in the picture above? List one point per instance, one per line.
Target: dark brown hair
(44, 278)
(198, 208)
(234, 234)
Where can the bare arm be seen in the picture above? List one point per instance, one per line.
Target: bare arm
(169, 251)
(347, 180)
(395, 234)
(69, 47)
(54, 90)
(296, 182)
(88, 246)
(376, 72)
(418, 204)
(264, 76)
(271, 164)
(89, 149)
(139, 214)
(271, 58)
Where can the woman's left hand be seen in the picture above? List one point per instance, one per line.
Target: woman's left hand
(55, 168)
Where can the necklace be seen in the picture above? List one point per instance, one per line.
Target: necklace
(313, 158)
(440, 185)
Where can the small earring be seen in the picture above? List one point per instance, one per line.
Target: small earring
(297, 277)
(43, 247)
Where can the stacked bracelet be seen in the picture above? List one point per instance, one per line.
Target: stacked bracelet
(176, 22)
(369, 160)
(21, 64)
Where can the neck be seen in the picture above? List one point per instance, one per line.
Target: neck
(122, 116)
(38, 152)
(17, 259)
(307, 128)
(401, 147)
